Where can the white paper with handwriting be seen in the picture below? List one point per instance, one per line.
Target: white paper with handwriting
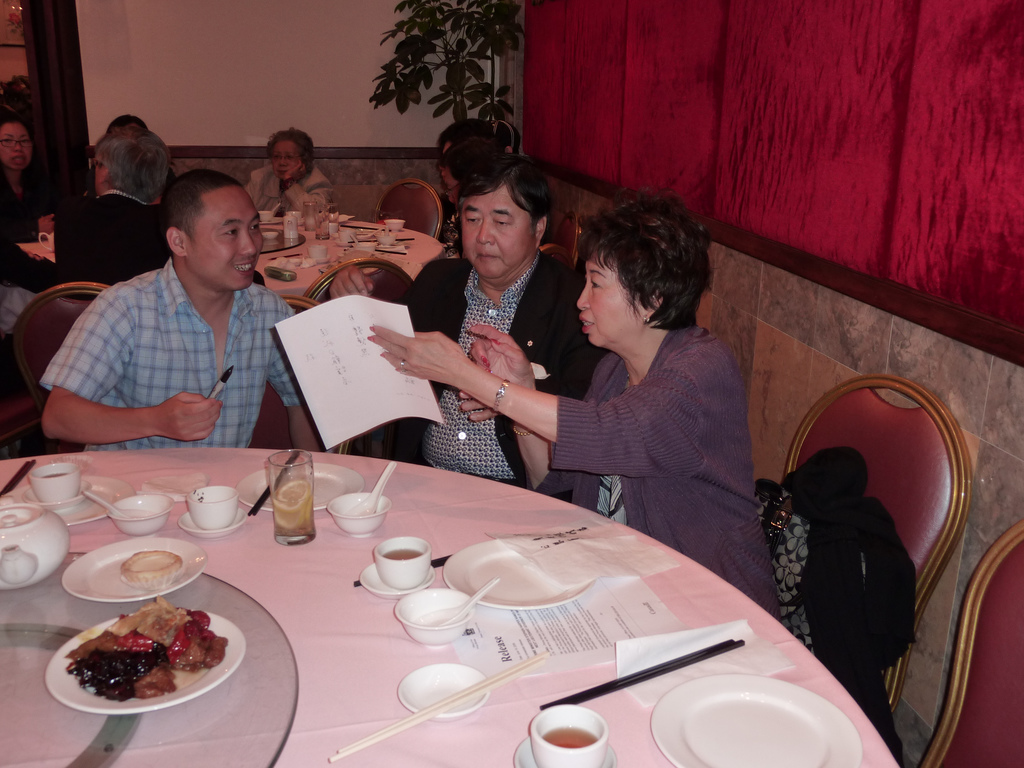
(349, 388)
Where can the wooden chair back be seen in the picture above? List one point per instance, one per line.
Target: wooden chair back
(417, 202)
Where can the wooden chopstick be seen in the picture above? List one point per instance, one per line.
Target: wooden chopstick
(648, 674)
(489, 684)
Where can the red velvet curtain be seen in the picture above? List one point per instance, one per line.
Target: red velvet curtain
(885, 135)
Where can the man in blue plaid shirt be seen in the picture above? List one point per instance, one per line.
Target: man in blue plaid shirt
(137, 369)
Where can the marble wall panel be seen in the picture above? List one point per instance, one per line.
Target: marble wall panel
(1004, 409)
(957, 373)
(736, 277)
(738, 329)
(850, 332)
(788, 302)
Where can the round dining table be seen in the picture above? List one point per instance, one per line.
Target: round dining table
(349, 650)
(419, 249)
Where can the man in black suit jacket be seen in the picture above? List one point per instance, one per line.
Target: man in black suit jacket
(506, 282)
(116, 235)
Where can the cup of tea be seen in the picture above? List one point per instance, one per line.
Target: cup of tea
(386, 238)
(56, 482)
(212, 507)
(318, 253)
(402, 562)
(46, 240)
(266, 216)
(394, 225)
(569, 736)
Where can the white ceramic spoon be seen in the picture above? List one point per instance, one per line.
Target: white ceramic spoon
(103, 503)
(448, 616)
(369, 504)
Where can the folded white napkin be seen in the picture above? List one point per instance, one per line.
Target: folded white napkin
(294, 262)
(757, 657)
(399, 249)
(588, 550)
(176, 486)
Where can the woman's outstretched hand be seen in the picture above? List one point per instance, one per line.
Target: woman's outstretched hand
(430, 356)
(498, 353)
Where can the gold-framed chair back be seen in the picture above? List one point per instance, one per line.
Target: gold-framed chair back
(567, 235)
(390, 285)
(299, 303)
(417, 202)
(918, 467)
(556, 251)
(979, 724)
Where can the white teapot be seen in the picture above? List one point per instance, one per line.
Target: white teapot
(33, 543)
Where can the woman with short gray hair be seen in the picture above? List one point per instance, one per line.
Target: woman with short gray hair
(290, 179)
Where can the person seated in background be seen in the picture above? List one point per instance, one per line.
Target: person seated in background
(137, 367)
(121, 121)
(457, 164)
(290, 179)
(117, 235)
(506, 282)
(27, 200)
(17, 270)
(660, 442)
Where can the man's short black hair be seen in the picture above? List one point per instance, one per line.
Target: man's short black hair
(524, 181)
(182, 203)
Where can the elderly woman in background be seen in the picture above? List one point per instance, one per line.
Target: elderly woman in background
(117, 235)
(660, 442)
(27, 201)
(290, 179)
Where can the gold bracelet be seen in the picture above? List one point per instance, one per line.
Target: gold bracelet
(500, 394)
(520, 431)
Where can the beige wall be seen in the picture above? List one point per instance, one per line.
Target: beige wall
(794, 340)
(230, 72)
(12, 62)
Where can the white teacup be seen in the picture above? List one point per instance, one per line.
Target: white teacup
(56, 482)
(318, 253)
(47, 241)
(402, 562)
(213, 507)
(345, 236)
(394, 225)
(386, 238)
(569, 736)
(266, 216)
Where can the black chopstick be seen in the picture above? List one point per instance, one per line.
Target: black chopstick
(18, 477)
(437, 562)
(260, 502)
(649, 673)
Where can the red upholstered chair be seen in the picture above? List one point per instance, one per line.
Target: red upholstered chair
(415, 201)
(980, 721)
(19, 417)
(390, 282)
(918, 467)
(557, 252)
(567, 235)
(41, 329)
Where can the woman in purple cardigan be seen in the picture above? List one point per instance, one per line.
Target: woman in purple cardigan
(661, 441)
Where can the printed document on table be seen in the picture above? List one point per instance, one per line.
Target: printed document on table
(349, 388)
(578, 634)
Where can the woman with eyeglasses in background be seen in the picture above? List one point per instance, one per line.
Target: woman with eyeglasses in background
(27, 200)
(290, 179)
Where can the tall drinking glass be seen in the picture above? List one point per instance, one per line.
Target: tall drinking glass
(290, 479)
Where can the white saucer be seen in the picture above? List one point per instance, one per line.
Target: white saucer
(369, 579)
(524, 757)
(74, 501)
(186, 524)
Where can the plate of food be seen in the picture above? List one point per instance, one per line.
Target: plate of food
(134, 569)
(523, 585)
(155, 658)
(329, 480)
(734, 721)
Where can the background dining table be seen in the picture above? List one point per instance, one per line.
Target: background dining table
(420, 249)
(351, 652)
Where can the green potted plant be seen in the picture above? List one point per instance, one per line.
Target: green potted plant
(459, 40)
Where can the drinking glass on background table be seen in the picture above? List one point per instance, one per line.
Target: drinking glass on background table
(290, 479)
(309, 215)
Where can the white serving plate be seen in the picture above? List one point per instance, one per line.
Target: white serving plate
(329, 480)
(96, 576)
(64, 686)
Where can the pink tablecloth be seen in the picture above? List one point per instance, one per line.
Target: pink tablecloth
(351, 651)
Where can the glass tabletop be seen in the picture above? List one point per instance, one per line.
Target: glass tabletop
(243, 721)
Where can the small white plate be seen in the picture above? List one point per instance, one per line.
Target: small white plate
(735, 721)
(65, 688)
(108, 488)
(369, 579)
(97, 575)
(428, 685)
(329, 480)
(524, 757)
(81, 460)
(271, 234)
(66, 504)
(186, 524)
(523, 585)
